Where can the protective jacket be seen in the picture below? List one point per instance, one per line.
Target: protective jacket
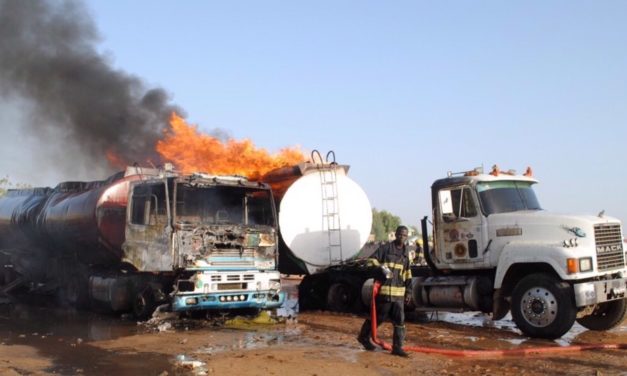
(397, 260)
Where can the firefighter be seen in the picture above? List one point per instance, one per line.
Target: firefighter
(393, 263)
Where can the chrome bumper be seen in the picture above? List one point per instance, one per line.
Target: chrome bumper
(595, 292)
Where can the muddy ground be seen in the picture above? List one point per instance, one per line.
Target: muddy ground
(42, 341)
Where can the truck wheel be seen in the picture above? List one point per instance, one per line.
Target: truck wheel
(366, 292)
(543, 306)
(74, 293)
(77, 292)
(311, 293)
(606, 315)
(143, 304)
(340, 297)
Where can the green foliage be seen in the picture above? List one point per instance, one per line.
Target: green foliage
(383, 223)
(5, 185)
(377, 226)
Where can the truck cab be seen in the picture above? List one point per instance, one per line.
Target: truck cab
(216, 236)
(496, 249)
(474, 219)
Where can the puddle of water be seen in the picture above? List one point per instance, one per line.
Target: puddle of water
(577, 334)
(195, 366)
(24, 323)
(64, 337)
(246, 340)
(289, 309)
(475, 320)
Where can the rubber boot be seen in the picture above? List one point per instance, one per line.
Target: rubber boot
(364, 336)
(397, 344)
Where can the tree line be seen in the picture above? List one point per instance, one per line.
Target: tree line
(384, 222)
(6, 184)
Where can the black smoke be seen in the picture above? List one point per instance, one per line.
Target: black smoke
(48, 57)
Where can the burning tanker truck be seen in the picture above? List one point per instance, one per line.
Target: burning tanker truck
(147, 237)
(142, 238)
(495, 250)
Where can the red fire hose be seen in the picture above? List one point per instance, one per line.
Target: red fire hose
(481, 353)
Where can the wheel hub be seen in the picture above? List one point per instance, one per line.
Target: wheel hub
(539, 307)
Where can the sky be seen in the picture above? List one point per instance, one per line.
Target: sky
(401, 91)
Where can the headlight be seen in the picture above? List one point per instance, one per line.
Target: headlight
(585, 264)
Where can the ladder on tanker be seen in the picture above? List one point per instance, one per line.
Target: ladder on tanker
(330, 208)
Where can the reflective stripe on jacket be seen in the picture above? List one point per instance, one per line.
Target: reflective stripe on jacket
(398, 263)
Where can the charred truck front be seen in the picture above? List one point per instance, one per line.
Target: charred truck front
(144, 238)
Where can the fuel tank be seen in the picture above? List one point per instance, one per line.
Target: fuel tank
(85, 219)
(324, 216)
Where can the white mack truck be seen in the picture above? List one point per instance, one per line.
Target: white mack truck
(495, 250)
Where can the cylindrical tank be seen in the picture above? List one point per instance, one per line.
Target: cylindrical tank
(86, 219)
(325, 217)
(19, 209)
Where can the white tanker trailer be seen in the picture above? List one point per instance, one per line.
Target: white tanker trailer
(325, 218)
(495, 250)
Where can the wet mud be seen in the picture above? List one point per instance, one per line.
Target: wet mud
(42, 340)
(60, 342)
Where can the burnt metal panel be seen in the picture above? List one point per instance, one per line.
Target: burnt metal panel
(147, 247)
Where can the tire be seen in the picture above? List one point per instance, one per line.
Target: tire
(144, 304)
(606, 315)
(79, 290)
(366, 292)
(543, 306)
(74, 292)
(311, 293)
(340, 297)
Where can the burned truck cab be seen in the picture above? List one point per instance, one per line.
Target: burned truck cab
(215, 235)
(143, 237)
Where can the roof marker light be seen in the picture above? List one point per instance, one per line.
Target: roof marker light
(495, 171)
(528, 173)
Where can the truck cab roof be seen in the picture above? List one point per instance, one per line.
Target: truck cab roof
(467, 178)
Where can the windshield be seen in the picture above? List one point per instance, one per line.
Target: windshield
(224, 205)
(507, 196)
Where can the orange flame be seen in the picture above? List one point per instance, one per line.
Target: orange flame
(114, 159)
(191, 151)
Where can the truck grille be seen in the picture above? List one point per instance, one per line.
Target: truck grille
(231, 257)
(232, 286)
(609, 244)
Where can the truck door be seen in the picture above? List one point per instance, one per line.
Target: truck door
(460, 226)
(147, 244)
